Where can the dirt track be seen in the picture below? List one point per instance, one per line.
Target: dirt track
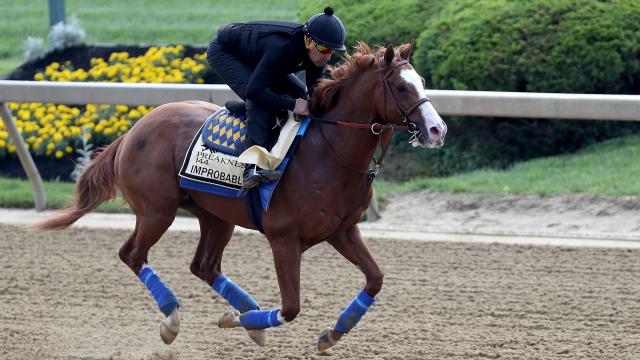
(490, 213)
(67, 295)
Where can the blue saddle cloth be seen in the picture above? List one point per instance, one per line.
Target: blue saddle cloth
(223, 135)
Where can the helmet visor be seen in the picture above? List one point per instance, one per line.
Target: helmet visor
(322, 49)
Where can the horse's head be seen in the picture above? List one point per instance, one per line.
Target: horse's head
(403, 99)
(381, 86)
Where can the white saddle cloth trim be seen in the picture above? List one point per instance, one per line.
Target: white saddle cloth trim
(258, 155)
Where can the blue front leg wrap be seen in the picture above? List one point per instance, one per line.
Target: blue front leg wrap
(354, 312)
(234, 294)
(260, 319)
(165, 298)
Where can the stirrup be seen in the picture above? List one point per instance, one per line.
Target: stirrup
(251, 177)
(270, 175)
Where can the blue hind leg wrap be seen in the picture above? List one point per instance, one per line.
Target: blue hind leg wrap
(261, 319)
(354, 312)
(164, 297)
(234, 294)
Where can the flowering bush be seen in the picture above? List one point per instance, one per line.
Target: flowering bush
(54, 131)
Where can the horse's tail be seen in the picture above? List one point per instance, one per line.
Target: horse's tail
(96, 185)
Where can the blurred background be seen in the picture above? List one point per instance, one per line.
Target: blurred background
(557, 46)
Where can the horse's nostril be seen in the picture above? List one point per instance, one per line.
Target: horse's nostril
(434, 132)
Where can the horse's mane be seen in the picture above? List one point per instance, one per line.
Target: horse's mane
(327, 90)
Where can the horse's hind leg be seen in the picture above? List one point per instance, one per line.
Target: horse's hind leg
(149, 229)
(206, 265)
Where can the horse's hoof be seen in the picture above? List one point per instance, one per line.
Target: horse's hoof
(228, 320)
(258, 336)
(170, 327)
(325, 340)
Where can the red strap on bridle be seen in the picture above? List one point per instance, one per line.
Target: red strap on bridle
(374, 127)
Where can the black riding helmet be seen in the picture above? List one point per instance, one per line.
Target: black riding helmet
(326, 29)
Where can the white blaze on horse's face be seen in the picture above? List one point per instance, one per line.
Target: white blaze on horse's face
(432, 128)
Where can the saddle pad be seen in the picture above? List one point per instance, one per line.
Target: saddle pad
(212, 171)
(196, 173)
(205, 168)
(225, 132)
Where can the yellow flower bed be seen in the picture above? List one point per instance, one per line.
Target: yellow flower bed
(55, 130)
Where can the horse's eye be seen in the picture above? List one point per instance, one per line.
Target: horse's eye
(401, 89)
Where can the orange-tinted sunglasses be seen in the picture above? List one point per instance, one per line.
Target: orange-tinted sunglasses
(322, 49)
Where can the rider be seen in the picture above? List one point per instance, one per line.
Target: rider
(258, 60)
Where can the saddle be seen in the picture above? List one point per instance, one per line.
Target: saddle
(225, 130)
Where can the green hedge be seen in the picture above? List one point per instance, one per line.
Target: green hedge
(377, 22)
(572, 46)
(577, 46)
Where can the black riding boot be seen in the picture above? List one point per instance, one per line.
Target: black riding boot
(269, 175)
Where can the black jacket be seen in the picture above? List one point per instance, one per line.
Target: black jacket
(273, 49)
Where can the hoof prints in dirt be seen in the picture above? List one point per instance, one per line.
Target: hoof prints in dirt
(67, 295)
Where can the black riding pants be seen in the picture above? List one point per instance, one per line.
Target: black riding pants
(236, 74)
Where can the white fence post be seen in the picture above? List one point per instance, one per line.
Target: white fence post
(25, 158)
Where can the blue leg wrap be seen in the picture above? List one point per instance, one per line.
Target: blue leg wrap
(234, 294)
(354, 312)
(260, 319)
(165, 298)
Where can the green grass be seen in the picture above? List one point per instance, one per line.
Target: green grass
(609, 168)
(16, 193)
(153, 22)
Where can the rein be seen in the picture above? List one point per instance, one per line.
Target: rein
(372, 126)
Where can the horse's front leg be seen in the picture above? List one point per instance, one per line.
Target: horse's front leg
(351, 245)
(287, 257)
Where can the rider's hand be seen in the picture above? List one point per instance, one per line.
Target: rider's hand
(302, 107)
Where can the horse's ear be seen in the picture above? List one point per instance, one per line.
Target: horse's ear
(389, 54)
(405, 51)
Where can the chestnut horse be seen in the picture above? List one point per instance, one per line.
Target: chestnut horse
(321, 196)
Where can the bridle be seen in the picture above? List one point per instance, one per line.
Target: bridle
(404, 112)
(380, 129)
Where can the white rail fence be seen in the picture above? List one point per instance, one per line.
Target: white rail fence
(447, 102)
